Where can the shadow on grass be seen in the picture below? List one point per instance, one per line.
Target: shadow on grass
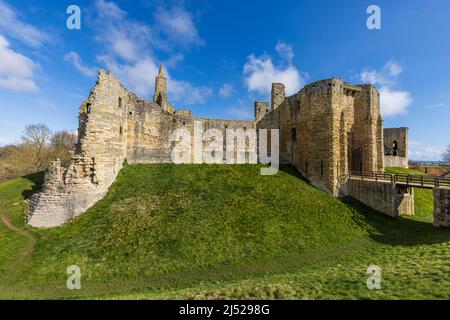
(37, 179)
(291, 170)
(397, 231)
(400, 231)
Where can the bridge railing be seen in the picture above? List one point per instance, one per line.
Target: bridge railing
(403, 178)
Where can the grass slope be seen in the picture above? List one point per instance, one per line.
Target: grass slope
(198, 231)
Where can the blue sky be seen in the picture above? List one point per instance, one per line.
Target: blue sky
(222, 55)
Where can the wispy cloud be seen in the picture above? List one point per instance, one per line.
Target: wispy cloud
(130, 46)
(13, 27)
(260, 72)
(240, 111)
(422, 151)
(75, 59)
(16, 70)
(178, 25)
(393, 101)
(226, 90)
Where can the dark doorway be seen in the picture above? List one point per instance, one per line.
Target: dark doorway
(357, 160)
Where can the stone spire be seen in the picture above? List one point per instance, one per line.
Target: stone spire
(161, 71)
(160, 96)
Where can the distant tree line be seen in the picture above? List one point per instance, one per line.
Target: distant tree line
(38, 146)
(446, 155)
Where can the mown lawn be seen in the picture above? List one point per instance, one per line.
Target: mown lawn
(215, 231)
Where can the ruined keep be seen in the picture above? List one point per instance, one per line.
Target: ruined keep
(396, 147)
(327, 130)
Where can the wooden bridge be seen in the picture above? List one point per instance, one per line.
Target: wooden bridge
(393, 194)
(410, 180)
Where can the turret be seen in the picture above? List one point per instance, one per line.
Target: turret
(261, 109)
(160, 96)
(278, 95)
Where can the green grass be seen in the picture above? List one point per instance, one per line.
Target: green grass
(423, 198)
(215, 231)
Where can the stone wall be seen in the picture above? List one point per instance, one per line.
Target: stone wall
(399, 157)
(441, 208)
(392, 161)
(98, 158)
(383, 196)
(328, 129)
(114, 126)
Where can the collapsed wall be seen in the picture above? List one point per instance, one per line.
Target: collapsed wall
(114, 126)
(396, 147)
(98, 157)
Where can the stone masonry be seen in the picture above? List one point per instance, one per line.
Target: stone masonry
(396, 147)
(327, 130)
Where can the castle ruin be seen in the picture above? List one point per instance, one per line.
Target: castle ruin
(327, 130)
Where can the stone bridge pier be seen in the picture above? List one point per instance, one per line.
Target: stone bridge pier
(387, 197)
(397, 199)
(441, 207)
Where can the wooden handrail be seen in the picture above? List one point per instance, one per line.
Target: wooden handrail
(408, 179)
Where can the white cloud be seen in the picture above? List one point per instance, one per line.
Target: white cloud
(137, 76)
(187, 94)
(109, 9)
(178, 25)
(11, 26)
(421, 151)
(125, 38)
(140, 77)
(393, 101)
(130, 57)
(260, 72)
(226, 90)
(75, 59)
(438, 105)
(285, 50)
(16, 70)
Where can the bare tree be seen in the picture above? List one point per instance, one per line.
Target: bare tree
(446, 155)
(61, 144)
(37, 136)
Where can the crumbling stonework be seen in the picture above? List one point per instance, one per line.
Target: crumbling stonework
(441, 208)
(327, 130)
(396, 147)
(114, 126)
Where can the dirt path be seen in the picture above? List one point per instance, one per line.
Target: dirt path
(31, 239)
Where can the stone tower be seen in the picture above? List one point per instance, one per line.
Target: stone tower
(261, 109)
(278, 95)
(160, 96)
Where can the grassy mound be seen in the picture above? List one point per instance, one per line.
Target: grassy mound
(197, 231)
